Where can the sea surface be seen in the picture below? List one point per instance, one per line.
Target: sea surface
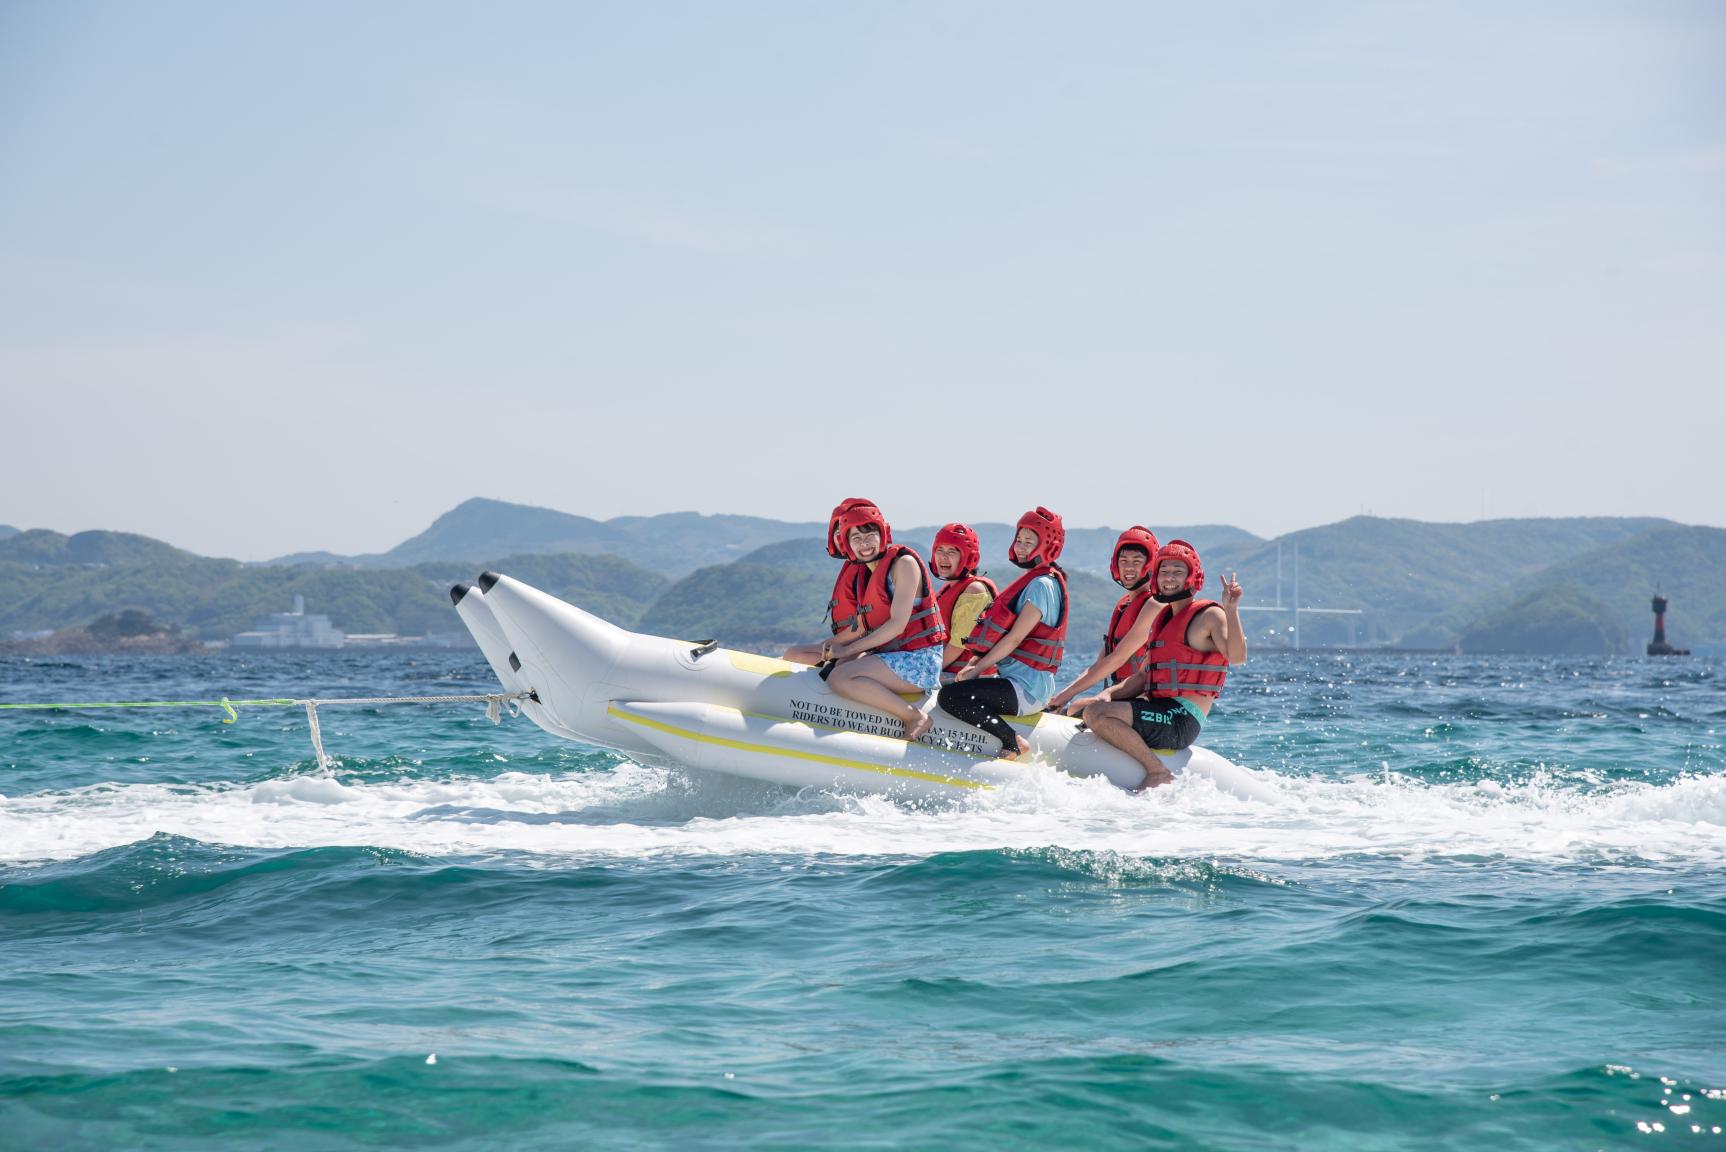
(1487, 910)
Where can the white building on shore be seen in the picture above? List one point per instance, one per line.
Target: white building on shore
(291, 630)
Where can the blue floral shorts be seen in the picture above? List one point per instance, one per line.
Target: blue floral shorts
(921, 667)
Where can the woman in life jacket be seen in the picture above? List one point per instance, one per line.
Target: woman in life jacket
(1192, 644)
(1129, 627)
(964, 592)
(847, 589)
(1020, 637)
(897, 648)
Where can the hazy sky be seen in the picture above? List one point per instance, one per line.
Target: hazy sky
(294, 276)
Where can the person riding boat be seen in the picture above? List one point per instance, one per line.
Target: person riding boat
(847, 589)
(1129, 627)
(964, 593)
(1192, 644)
(1021, 637)
(901, 633)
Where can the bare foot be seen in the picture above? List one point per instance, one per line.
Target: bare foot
(1023, 746)
(921, 725)
(1155, 779)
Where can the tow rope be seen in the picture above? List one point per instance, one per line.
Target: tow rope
(495, 703)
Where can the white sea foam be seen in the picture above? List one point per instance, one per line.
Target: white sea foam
(635, 811)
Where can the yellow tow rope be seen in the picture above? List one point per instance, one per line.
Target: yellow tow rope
(494, 705)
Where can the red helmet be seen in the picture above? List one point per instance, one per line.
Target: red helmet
(1050, 537)
(1134, 537)
(861, 514)
(833, 546)
(1185, 553)
(961, 537)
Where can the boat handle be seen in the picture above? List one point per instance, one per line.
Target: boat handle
(702, 649)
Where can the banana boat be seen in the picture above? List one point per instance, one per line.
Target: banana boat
(679, 703)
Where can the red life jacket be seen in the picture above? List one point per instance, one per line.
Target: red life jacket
(847, 595)
(1121, 621)
(1042, 646)
(948, 597)
(1176, 668)
(926, 627)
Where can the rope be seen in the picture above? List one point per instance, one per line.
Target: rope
(224, 704)
(494, 702)
(317, 736)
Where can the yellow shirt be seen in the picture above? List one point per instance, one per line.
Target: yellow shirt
(966, 609)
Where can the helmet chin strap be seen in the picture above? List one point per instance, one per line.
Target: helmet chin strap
(1165, 598)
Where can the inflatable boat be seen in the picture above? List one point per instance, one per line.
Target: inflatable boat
(682, 703)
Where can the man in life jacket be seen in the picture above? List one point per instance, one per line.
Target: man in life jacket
(964, 594)
(847, 589)
(1129, 627)
(1192, 644)
(1021, 637)
(900, 633)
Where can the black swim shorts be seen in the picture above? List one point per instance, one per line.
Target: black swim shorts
(1164, 725)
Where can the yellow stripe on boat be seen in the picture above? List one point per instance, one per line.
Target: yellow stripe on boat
(763, 665)
(796, 754)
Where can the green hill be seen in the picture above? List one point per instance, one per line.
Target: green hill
(60, 582)
(129, 631)
(52, 550)
(678, 543)
(478, 528)
(804, 555)
(605, 585)
(1685, 564)
(1417, 584)
(7, 531)
(1559, 621)
(674, 544)
(749, 605)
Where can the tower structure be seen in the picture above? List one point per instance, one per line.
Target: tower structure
(1658, 646)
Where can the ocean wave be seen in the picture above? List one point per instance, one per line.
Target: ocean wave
(1031, 866)
(631, 810)
(1146, 1094)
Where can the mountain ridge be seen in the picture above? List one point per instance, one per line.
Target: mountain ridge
(676, 543)
(1386, 581)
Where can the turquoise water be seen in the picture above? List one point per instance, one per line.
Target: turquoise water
(1487, 911)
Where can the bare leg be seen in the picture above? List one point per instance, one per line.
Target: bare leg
(803, 654)
(868, 680)
(1112, 720)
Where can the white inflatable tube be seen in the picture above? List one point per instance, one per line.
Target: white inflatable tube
(678, 702)
(476, 614)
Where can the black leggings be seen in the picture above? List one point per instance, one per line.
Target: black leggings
(981, 703)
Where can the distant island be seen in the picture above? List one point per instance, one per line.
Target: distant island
(1560, 586)
(129, 630)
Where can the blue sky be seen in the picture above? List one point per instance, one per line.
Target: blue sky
(304, 276)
